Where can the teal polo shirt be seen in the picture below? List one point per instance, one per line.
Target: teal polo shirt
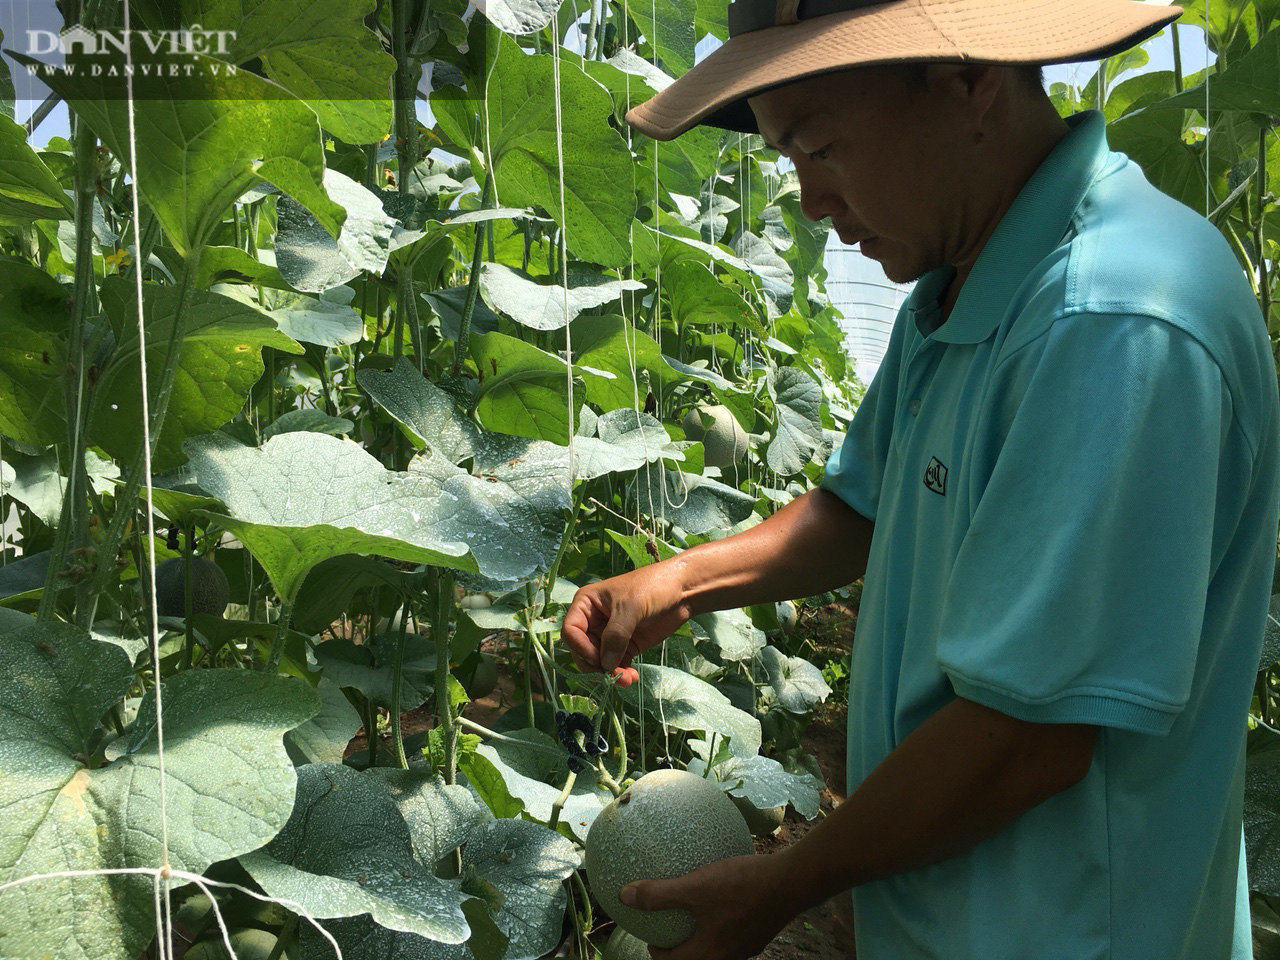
(1074, 483)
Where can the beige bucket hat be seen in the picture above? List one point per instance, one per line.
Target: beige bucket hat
(775, 42)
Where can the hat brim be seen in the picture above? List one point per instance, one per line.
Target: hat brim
(1021, 32)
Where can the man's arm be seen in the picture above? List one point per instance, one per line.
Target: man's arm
(816, 542)
(961, 776)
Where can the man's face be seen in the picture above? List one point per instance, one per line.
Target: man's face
(878, 158)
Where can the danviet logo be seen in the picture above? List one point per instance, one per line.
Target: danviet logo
(80, 39)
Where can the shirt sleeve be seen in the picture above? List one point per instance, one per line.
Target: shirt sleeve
(1079, 590)
(855, 472)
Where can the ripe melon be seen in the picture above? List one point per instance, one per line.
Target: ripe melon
(209, 589)
(666, 824)
(723, 440)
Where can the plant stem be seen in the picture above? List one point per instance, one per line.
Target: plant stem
(592, 26)
(503, 738)
(282, 634)
(570, 525)
(73, 525)
(125, 508)
(286, 933)
(440, 594)
(473, 282)
(561, 800)
(1177, 59)
(371, 730)
(397, 677)
(188, 637)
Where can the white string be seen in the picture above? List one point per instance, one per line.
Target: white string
(164, 934)
(1207, 207)
(564, 254)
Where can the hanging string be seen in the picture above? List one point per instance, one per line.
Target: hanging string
(1207, 125)
(488, 144)
(564, 253)
(165, 935)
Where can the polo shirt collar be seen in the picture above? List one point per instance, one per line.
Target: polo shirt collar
(1030, 230)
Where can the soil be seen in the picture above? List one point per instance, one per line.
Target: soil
(824, 932)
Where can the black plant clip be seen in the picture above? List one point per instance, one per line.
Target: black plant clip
(581, 749)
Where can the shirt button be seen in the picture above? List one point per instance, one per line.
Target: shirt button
(914, 406)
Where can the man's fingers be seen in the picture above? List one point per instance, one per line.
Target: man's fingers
(614, 640)
(654, 895)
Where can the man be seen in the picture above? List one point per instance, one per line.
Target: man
(1062, 488)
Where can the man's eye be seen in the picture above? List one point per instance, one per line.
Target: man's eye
(820, 154)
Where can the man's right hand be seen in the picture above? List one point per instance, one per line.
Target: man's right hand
(611, 621)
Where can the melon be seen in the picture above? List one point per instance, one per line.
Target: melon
(666, 824)
(762, 822)
(209, 589)
(724, 442)
(623, 946)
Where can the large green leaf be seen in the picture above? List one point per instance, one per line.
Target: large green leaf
(542, 305)
(440, 816)
(597, 182)
(534, 768)
(320, 50)
(762, 781)
(523, 390)
(522, 866)
(797, 439)
(314, 261)
(346, 850)
(303, 497)
(28, 188)
(324, 738)
(519, 16)
(797, 685)
(369, 667)
(730, 633)
(695, 503)
(33, 353)
(684, 702)
(604, 348)
(669, 26)
(229, 787)
(697, 297)
(221, 344)
(1153, 139)
(1250, 84)
(204, 136)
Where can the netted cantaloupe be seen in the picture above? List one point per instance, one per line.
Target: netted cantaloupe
(623, 946)
(209, 589)
(666, 824)
(723, 440)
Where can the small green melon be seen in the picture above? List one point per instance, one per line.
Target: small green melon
(483, 678)
(209, 589)
(666, 824)
(761, 822)
(623, 946)
(724, 441)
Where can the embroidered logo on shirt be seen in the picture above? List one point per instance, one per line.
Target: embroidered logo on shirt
(935, 476)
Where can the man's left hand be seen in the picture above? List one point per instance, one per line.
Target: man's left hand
(738, 904)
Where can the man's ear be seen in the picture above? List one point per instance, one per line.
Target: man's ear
(973, 87)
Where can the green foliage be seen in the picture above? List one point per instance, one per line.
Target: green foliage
(380, 357)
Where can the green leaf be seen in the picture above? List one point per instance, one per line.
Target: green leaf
(229, 787)
(669, 26)
(311, 259)
(488, 783)
(28, 189)
(764, 261)
(220, 361)
(203, 138)
(320, 50)
(346, 850)
(324, 738)
(1153, 139)
(730, 633)
(284, 505)
(797, 439)
(541, 305)
(597, 182)
(534, 771)
(684, 702)
(368, 667)
(764, 783)
(32, 353)
(602, 346)
(797, 684)
(520, 16)
(327, 320)
(627, 442)
(1250, 84)
(695, 503)
(524, 391)
(697, 297)
(309, 420)
(440, 816)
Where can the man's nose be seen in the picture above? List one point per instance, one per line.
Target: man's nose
(816, 200)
